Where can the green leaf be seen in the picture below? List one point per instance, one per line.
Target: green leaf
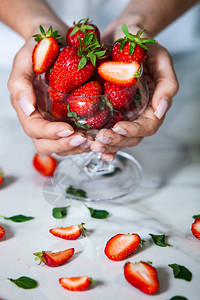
(196, 217)
(59, 212)
(42, 30)
(76, 192)
(74, 31)
(98, 213)
(181, 272)
(18, 218)
(159, 240)
(122, 44)
(82, 62)
(92, 58)
(125, 29)
(178, 298)
(132, 47)
(24, 282)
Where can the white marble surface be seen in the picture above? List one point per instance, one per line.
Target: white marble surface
(165, 203)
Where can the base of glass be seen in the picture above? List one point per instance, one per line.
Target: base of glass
(72, 178)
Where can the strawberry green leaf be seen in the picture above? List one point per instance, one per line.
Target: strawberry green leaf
(82, 62)
(181, 272)
(125, 29)
(88, 38)
(42, 30)
(74, 31)
(132, 47)
(18, 218)
(24, 282)
(159, 240)
(76, 192)
(178, 298)
(196, 217)
(98, 213)
(122, 44)
(59, 212)
(93, 58)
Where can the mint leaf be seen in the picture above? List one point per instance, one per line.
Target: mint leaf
(24, 282)
(98, 213)
(18, 218)
(181, 272)
(76, 192)
(196, 217)
(159, 240)
(178, 298)
(59, 212)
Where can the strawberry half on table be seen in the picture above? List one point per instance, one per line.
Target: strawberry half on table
(44, 164)
(80, 29)
(46, 50)
(69, 233)
(132, 47)
(80, 283)
(2, 232)
(54, 259)
(142, 276)
(196, 228)
(121, 245)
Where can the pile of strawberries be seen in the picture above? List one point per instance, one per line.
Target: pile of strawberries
(90, 86)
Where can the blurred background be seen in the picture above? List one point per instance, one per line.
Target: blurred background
(183, 35)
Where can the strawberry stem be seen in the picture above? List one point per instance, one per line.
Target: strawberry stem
(83, 229)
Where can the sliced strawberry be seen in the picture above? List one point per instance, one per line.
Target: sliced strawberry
(2, 232)
(84, 101)
(44, 164)
(59, 109)
(69, 233)
(121, 245)
(81, 283)
(120, 73)
(196, 228)
(54, 259)
(142, 276)
(46, 50)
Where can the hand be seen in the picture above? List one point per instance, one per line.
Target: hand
(48, 137)
(163, 86)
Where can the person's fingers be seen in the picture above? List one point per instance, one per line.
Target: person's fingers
(108, 156)
(161, 69)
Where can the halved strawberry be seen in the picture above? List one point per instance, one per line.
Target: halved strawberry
(69, 233)
(46, 50)
(196, 228)
(54, 259)
(2, 232)
(142, 276)
(80, 283)
(59, 109)
(120, 73)
(44, 164)
(1, 177)
(121, 245)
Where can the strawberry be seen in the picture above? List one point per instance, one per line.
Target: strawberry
(59, 109)
(132, 47)
(142, 276)
(120, 73)
(74, 66)
(1, 177)
(54, 259)
(196, 228)
(115, 118)
(44, 164)
(80, 29)
(95, 122)
(80, 283)
(70, 232)
(2, 232)
(46, 50)
(118, 96)
(84, 101)
(121, 245)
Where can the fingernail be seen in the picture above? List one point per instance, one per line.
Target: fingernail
(108, 158)
(65, 133)
(162, 108)
(99, 149)
(104, 140)
(77, 140)
(86, 144)
(26, 105)
(120, 130)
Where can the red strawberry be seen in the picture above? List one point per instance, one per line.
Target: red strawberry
(1, 177)
(84, 101)
(118, 96)
(115, 118)
(80, 29)
(120, 73)
(70, 232)
(59, 109)
(54, 259)
(2, 232)
(143, 276)
(95, 122)
(196, 228)
(46, 50)
(132, 47)
(121, 245)
(45, 164)
(73, 67)
(81, 283)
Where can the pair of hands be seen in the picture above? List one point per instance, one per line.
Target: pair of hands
(60, 137)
